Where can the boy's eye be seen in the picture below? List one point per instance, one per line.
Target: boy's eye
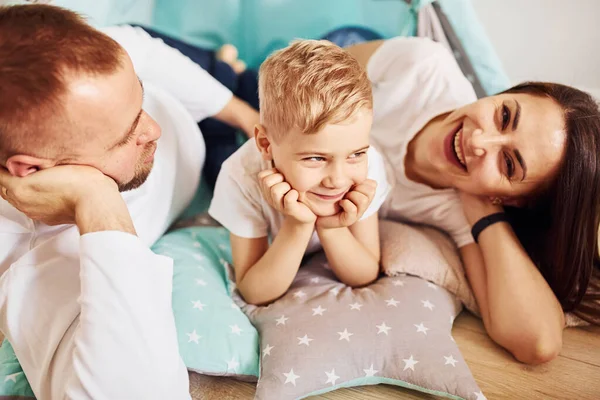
(314, 159)
(358, 154)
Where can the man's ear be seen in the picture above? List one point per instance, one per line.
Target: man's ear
(263, 143)
(21, 165)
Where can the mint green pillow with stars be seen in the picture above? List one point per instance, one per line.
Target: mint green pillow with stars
(12, 379)
(215, 336)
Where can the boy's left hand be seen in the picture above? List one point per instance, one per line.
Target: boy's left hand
(354, 205)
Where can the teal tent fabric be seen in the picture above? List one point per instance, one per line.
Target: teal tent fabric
(258, 27)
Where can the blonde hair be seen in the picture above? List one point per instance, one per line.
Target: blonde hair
(309, 84)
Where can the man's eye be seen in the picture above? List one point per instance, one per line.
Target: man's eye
(505, 116)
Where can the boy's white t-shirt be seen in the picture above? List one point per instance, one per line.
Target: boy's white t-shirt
(239, 205)
(415, 80)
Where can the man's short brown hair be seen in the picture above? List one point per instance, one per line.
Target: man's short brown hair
(39, 46)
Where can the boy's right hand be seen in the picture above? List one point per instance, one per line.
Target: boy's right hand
(280, 195)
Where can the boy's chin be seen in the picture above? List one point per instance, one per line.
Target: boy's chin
(326, 210)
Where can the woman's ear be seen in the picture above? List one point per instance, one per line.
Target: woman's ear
(21, 165)
(263, 143)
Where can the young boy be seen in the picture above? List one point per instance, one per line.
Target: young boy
(309, 179)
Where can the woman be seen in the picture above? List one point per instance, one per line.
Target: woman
(529, 156)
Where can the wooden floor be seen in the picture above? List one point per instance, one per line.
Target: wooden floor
(574, 375)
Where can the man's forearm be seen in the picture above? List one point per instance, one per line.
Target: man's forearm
(126, 293)
(349, 259)
(103, 212)
(273, 274)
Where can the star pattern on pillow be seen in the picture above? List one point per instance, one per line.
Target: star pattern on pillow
(215, 336)
(322, 335)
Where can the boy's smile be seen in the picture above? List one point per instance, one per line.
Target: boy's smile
(324, 166)
(329, 197)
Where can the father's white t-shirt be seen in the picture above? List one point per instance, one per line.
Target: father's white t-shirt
(415, 80)
(89, 316)
(239, 205)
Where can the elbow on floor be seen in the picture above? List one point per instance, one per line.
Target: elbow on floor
(540, 350)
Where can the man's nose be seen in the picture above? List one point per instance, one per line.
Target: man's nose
(152, 131)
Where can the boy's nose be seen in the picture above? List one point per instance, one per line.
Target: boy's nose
(337, 179)
(335, 183)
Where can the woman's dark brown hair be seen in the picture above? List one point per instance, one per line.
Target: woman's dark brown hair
(559, 228)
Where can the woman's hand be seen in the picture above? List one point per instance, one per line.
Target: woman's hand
(477, 207)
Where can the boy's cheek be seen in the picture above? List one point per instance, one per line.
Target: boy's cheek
(300, 181)
(361, 175)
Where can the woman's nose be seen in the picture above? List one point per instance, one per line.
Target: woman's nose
(481, 142)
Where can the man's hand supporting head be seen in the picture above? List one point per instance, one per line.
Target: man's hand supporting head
(68, 194)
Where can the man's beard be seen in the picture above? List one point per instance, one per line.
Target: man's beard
(142, 171)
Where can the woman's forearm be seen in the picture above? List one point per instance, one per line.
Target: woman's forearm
(519, 308)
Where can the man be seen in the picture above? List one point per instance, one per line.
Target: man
(83, 122)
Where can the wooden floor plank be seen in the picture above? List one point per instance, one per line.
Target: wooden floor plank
(582, 344)
(573, 375)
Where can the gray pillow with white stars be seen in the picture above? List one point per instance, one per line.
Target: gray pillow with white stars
(322, 335)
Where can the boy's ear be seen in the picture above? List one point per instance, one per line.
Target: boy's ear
(21, 165)
(263, 143)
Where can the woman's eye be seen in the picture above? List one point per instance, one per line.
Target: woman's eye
(510, 166)
(505, 116)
